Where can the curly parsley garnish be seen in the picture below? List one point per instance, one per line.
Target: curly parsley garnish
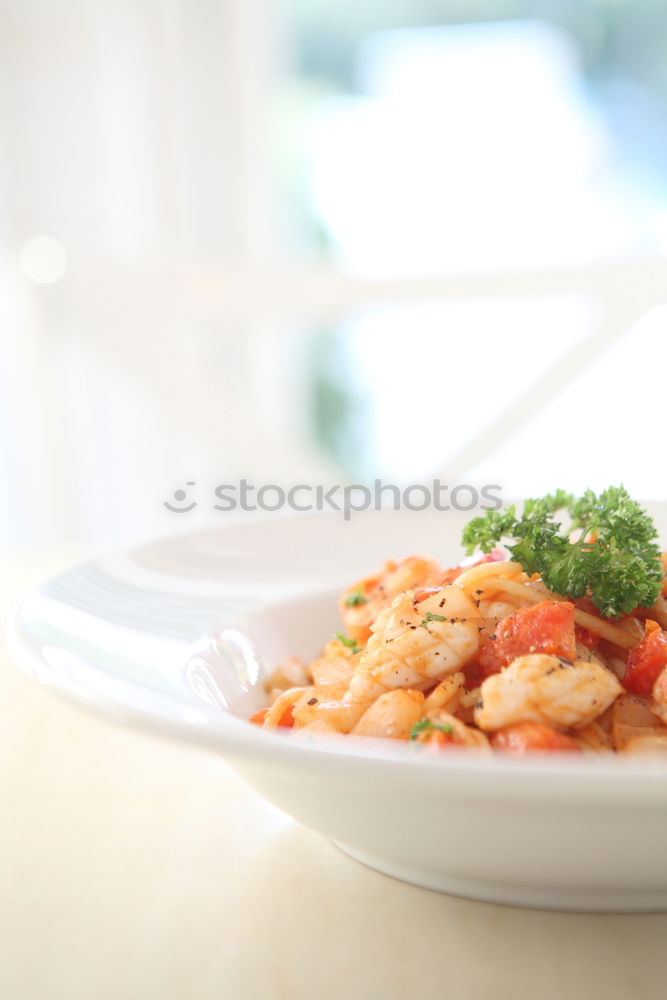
(355, 598)
(425, 726)
(430, 617)
(348, 643)
(608, 552)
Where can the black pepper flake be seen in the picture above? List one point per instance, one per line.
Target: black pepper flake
(442, 602)
(312, 701)
(479, 704)
(494, 636)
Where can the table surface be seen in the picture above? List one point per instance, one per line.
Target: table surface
(133, 868)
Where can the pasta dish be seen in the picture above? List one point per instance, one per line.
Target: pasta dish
(546, 638)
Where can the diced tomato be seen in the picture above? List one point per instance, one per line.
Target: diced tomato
(446, 577)
(286, 719)
(527, 737)
(646, 661)
(424, 592)
(585, 604)
(435, 739)
(660, 687)
(583, 634)
(258, 717)
(436, 742)
(474, 675)
(585, 637)
(547, 627)
(498, 554)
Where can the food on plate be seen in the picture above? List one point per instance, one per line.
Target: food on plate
(550, 637)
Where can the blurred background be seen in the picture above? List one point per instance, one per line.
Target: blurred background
(304, 241)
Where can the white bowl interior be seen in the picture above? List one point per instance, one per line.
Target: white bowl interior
(228, 669)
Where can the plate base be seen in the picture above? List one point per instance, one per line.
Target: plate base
(545, 897)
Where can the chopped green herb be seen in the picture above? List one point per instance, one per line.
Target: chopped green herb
(426, 726)
(355, 598)
(348, 643)
(430, 617)
(608, 552)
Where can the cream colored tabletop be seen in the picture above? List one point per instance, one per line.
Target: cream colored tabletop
(132, 868)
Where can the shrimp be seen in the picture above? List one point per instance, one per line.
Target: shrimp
(280, 712)
(414, 644)
(336, 663)
(548, 689)
(447, 731)
(633, 718)
(447, 694)
(392, 715)
(527, 737)
(597, 736)
(639, 723)
(324, 706)
(648, 742)
(361, 604)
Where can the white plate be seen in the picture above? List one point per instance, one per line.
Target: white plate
(176, 635)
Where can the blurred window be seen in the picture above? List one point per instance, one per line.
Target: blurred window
(310, 240)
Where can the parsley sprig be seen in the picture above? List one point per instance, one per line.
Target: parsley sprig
(430, 617)
(355, 599)
(608, 552)
(348, 642)
(426, 726)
